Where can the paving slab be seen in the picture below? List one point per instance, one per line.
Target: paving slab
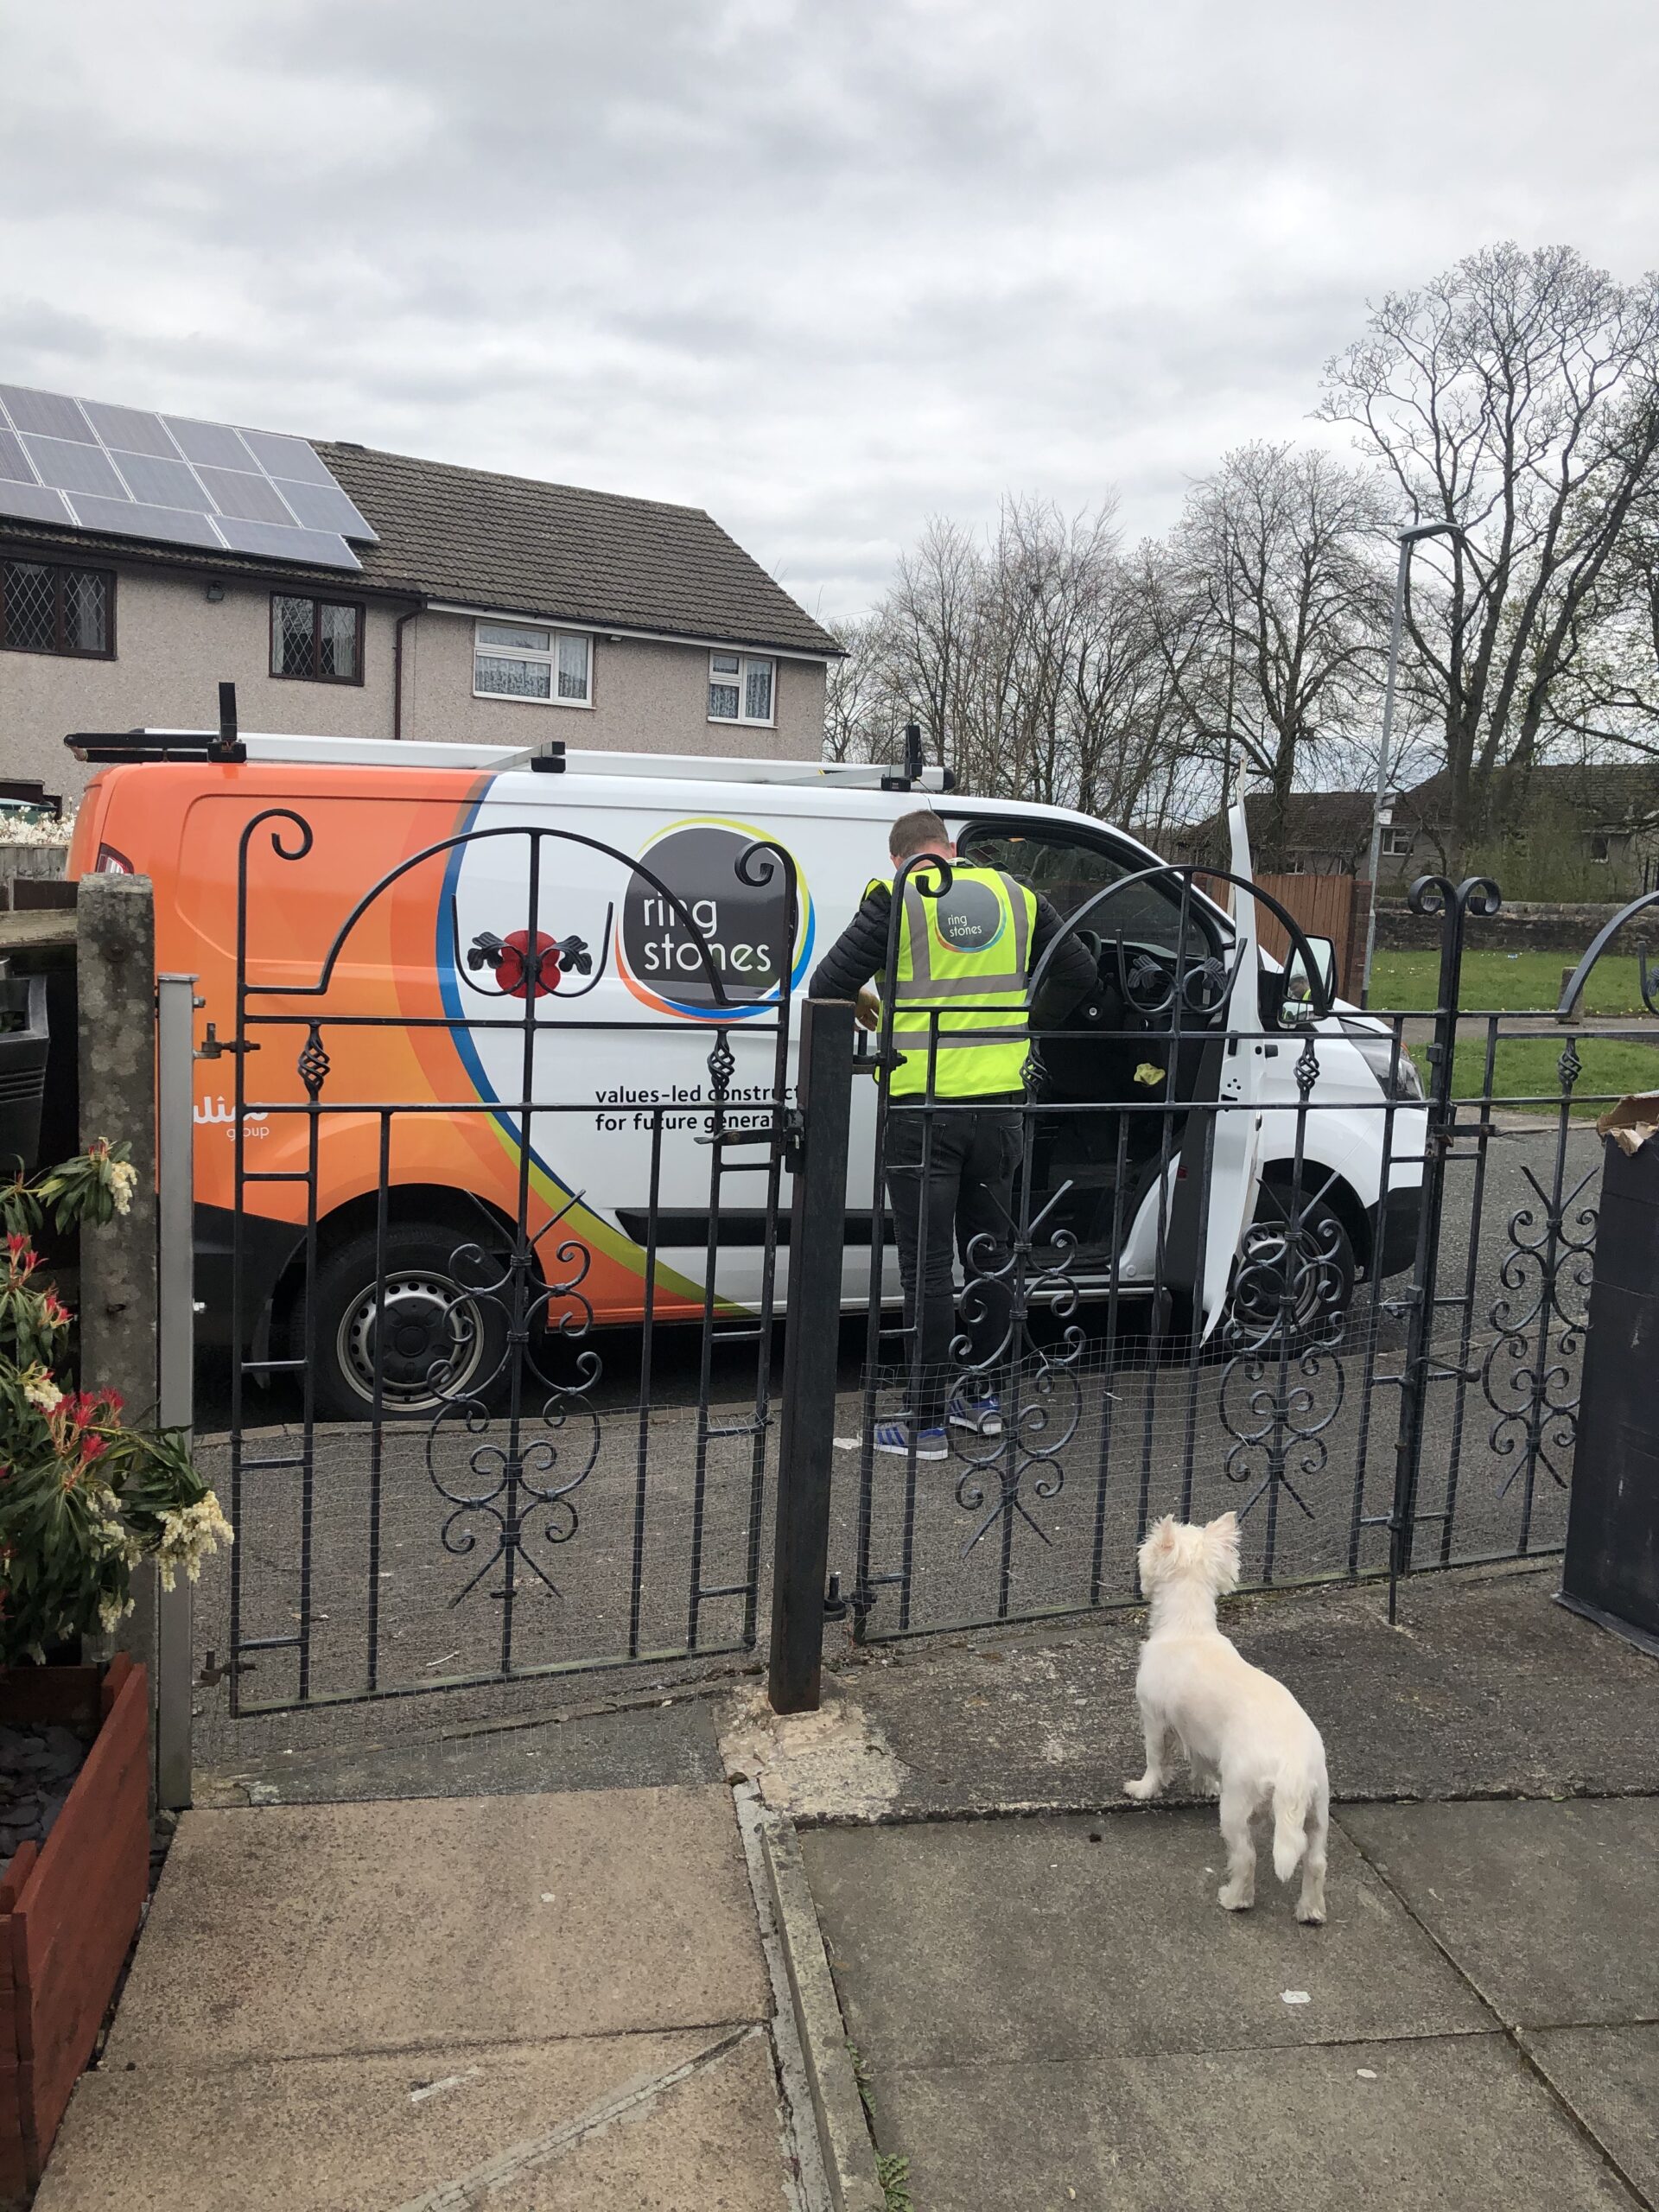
(291, 1931)
(1460, 2124)
(966, 1941)
(1549, 1908)
(1486, 1687)
(639, 1747)
(616, 2123)
(1610, 2078)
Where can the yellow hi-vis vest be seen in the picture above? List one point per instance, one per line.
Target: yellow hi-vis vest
(967, 954)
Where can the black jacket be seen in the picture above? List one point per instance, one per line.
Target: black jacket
(861, 953)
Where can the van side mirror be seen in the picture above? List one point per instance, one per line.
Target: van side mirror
(1299, 984)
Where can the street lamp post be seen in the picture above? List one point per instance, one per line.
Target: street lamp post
(1382, 810)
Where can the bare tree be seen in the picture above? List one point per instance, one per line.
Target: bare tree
(1516, 397)
(929, 624)
(1270, 608)
(1029, 662)
(857, 721)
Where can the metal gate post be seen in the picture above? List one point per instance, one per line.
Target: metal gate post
(806, 1442)
(175, 1004)
(1455, 905)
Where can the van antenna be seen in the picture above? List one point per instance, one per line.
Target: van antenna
(226, 747)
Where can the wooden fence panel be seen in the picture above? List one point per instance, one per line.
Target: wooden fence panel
(1322, 906)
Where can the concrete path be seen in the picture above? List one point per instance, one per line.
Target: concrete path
(1486, 1687)
(1052, 2011)
(530, 2001)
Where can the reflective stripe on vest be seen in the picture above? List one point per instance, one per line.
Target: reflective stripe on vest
(969, 955)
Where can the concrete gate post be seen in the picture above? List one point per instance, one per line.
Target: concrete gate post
(115, 986)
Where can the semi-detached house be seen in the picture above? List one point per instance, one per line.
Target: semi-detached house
(482, 607)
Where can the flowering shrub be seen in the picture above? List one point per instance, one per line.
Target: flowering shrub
(83, 1497)
(30, 826)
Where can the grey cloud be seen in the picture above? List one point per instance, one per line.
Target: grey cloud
(823, 269)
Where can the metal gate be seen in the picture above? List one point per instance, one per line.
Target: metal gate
(1330, 1272)
(459, 1475)
(1385, 1377)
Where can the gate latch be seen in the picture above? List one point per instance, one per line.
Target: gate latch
(788, 1133)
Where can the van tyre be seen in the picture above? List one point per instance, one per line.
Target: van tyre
(1313, 1256)
(443, 1342)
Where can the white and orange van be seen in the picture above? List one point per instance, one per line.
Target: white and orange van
(617, 1058)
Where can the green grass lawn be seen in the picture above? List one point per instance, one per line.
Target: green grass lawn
(1505, 982)
(1527, 1068)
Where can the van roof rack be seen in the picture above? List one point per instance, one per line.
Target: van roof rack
(274, 747)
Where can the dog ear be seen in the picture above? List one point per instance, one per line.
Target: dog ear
(1158, 1550)
(1221, 1551)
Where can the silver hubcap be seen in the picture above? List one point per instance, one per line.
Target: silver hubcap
(1271, 1252)
(426, 1334)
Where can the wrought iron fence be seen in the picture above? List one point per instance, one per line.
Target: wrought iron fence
(1253, 1250)
(1378, 1372)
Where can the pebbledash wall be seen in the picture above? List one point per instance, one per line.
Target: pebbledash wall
(174, 646)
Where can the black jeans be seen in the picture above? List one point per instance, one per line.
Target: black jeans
(966, 1202)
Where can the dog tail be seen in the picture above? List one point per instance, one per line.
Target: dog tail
(1292, 1795)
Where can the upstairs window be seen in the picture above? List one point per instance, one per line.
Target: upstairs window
(1396, 843)
(739, 689)
(316, 640)
(519, 660)
(46, 608)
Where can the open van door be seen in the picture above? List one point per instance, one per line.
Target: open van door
(1235, 1151)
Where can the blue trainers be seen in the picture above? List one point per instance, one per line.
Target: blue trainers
(982, 1411)
(895, 1436)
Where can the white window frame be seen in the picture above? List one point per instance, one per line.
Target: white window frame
(739, 680)
(1392, 849)
(548, 658)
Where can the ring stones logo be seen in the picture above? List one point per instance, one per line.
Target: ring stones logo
(740, 924)
(967, 916)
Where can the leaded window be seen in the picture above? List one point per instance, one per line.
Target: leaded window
(46, 607)
(316, 640)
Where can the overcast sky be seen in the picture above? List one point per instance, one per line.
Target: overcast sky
(823, 269)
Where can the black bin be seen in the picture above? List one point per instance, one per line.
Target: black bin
(24, 1045)
(1611, 1570)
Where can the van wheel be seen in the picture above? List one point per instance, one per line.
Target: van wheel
(1315, 1253)
(435, 1340)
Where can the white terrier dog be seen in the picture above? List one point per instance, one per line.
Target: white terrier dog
(1243, 1734)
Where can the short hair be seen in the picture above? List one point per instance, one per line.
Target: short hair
(918, 832)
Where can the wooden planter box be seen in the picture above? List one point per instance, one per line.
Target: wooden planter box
(68, 1910)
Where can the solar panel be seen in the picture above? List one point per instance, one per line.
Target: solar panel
(320, 547)
(323, 507)
(251, 499)
(73, 467)
(161, 483)
(174, 478)
(126, 518)
(129, 430)
(288, 457)
(14, 462)
(30, 503)
(47, 413)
